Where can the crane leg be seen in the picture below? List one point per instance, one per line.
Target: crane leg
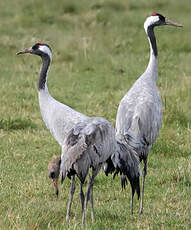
(132, 195)
(72, 190)
(91, 199)
(89, 195)
(143, 184)
(82, 196)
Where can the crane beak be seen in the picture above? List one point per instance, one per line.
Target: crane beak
(27, 50)
(169, 22)
(55, 184)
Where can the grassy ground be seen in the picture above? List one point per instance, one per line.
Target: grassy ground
(99, 50)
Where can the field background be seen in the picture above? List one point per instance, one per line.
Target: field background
(99, 50)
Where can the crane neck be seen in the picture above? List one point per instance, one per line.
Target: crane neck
(42, 84)
(152, 67)
(152, 40)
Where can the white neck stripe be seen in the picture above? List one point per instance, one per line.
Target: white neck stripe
(46, 50)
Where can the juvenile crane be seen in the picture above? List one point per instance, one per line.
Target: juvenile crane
(140, 110)
(54, 172)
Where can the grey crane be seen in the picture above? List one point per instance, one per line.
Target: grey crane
(60, 119)
(54, 172)
(88, 145)
(140, 110)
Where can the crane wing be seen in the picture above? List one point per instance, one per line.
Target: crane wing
(88, 144)
(139, 119)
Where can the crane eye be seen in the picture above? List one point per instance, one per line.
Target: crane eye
(36, 46)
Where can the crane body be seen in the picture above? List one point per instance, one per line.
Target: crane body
(139, 113)
(86, 142)
(59, 118)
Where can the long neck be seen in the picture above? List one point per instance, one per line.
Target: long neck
(42, 85)
(43, 93)
(152, 67)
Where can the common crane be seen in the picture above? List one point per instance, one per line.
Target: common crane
(58, 117)
(139, 113)
(99, 142)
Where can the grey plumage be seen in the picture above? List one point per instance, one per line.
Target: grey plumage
(126, 161)
(58, 117)
(140, 113)
(88, 145)
(94, 140)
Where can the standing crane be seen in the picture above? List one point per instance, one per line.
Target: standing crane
(98, 134)
(140, 110)
(58, 118)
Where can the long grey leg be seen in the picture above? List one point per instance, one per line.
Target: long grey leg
(87, 197)
(91, 199)
(143, 185)
(86, 204)
(82, 198)
(72, 190)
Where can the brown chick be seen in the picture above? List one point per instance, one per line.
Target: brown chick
(54, 171)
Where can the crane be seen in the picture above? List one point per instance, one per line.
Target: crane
(139, 113)
(58, 117)
(61, 119)
(54, 172)
(88, 145)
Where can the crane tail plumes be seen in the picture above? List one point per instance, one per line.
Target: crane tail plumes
(126, 162)
(88, 144)
(135, 184)
(123, 181)
(73, 149)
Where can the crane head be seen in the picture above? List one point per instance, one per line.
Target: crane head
(40, 49)
(54, 171)
(157, 19)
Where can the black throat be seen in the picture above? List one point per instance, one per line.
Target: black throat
(151, 35)
(43, 74)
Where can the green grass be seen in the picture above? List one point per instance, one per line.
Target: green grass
(99, 50)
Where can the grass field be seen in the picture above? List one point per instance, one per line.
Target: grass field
(99, 50)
